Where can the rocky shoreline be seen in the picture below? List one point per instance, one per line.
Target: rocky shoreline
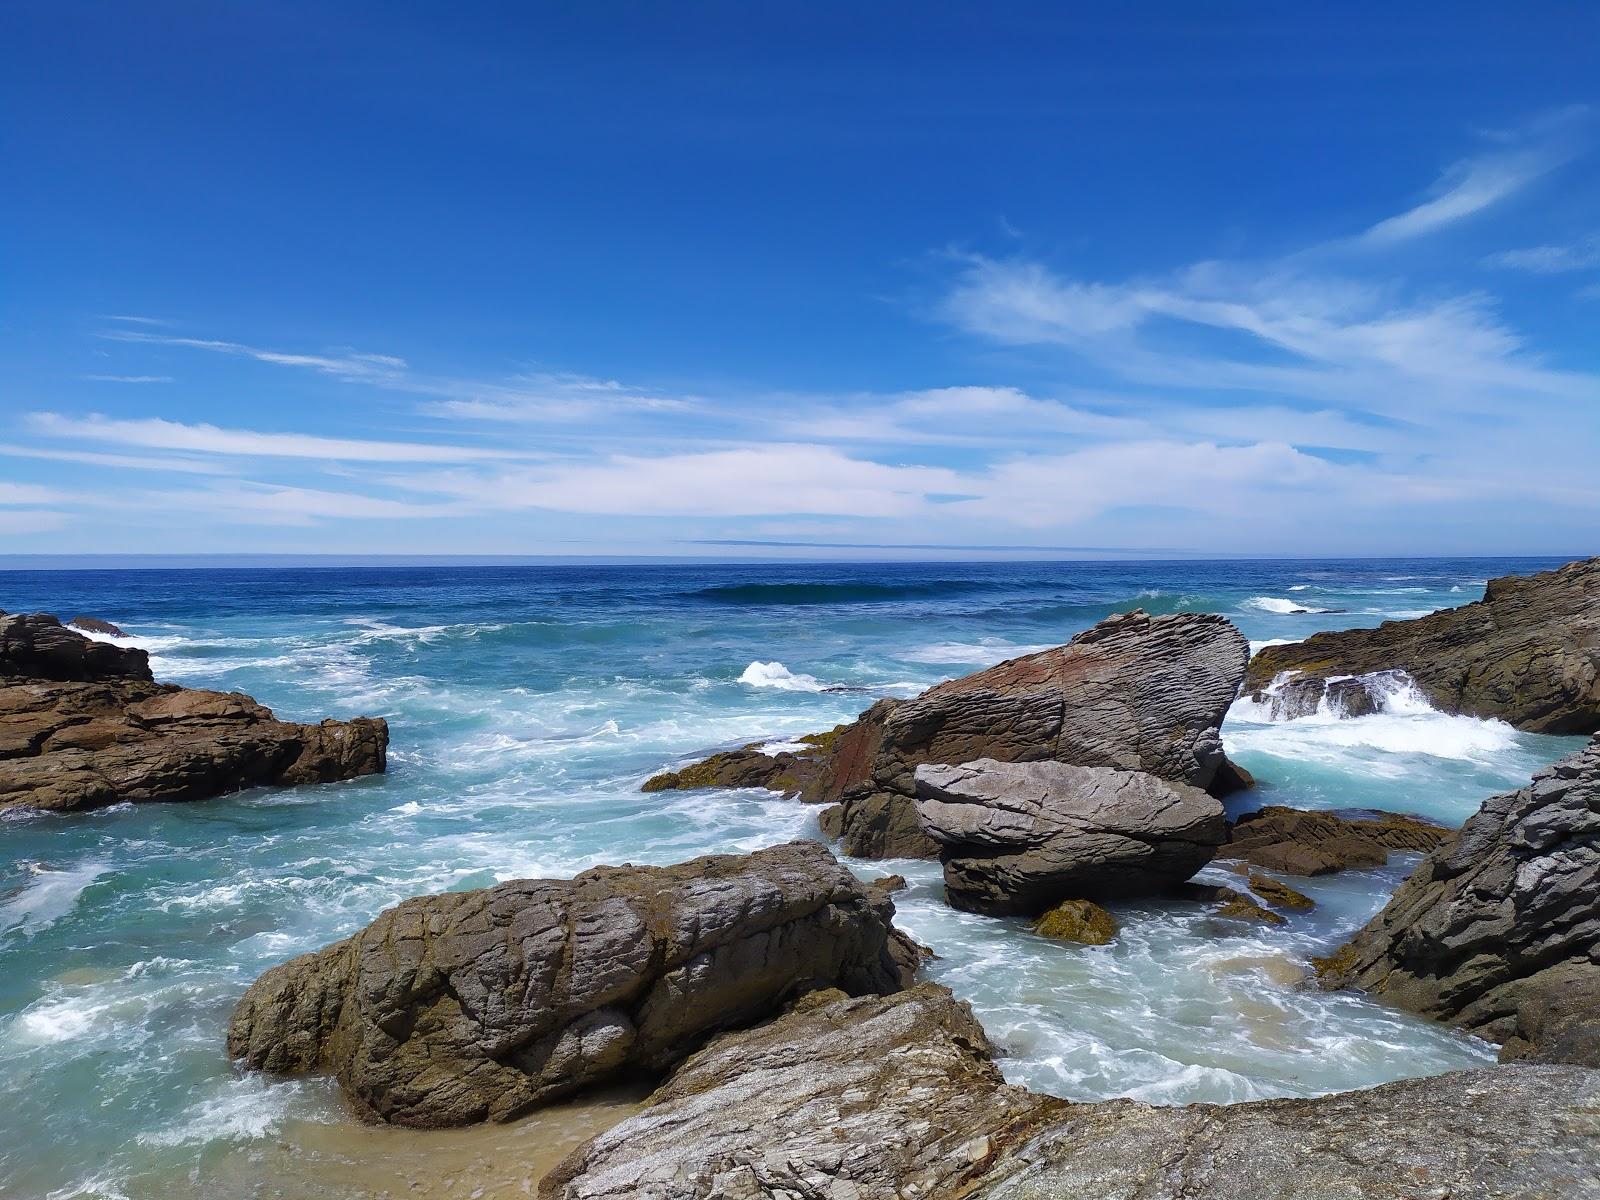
(774, 1009)
(84, 725)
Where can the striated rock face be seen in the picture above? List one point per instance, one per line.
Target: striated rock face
(474, 1006)
(1506, 1133)
(1308, 842)
(1527, 653)
(877, 1097)
(82, 725)
(1498, 929)
(1021, 837)
(1136, 692)
(898, 1097)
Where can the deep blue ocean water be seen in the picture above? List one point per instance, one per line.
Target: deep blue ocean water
(527, 703)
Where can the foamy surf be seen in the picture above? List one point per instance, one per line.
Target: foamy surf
(1277, 604)
(776, 675)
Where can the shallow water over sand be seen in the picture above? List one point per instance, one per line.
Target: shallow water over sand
(527, 704)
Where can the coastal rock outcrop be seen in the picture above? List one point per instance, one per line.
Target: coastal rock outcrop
(472, 1006)
(84, 725)
(1300, 841)
(898, 1097)
(1135, 692)
(1528, 653)
(873, 1097)
(1498, 929)
(1019, 837)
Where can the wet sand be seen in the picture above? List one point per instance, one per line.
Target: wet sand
(348, 1160)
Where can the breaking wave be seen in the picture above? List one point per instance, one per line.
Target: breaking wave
(776, 675)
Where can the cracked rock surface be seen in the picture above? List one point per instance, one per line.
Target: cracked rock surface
(470, 1006)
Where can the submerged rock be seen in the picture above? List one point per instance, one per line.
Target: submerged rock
(1136, 692)
(1498, 929)
(83, 725)
(96, 625)
(1278, 893)
(1020, 837)
(473, 1006)
(898, 1097)
(1298, 841)
(1527, 653)
(876, 1097)
(1078, 921)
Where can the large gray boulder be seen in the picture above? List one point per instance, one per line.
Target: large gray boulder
(897, 1097)
(1498, 929)
(473, 1006)
(1135, 692)
(1019, 837)
(1527, 653)
(83, 725)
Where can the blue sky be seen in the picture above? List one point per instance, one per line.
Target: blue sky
(747, 279)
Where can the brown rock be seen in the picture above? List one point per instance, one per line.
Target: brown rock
(1527, 653)
(1312, 842)
(1078, 921)
(473, 1006)
(1275, 891)
(83, 726)
(96, 625)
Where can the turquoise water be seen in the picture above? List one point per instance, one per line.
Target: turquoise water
(528, 703)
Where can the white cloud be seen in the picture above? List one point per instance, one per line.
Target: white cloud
(1550, 260)
(28, 493)
(364, 367)
(157, 433)
(132, 462)
(128, 378)
(25, 521)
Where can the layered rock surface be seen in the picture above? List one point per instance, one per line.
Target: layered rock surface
(875, 1097)
(898, 1097)
(1527, 653)
(1498, 929)
(1135, 692)
(1019, 837)
(1299, 841)
(83, 724)
(475, 1006)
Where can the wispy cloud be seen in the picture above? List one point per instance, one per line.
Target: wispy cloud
(1474, 184)
(369, 367)
(128, 378)
(159, 434)
(1550, 260)
(132, 462)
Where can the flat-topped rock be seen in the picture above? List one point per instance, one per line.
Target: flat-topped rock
(897, 1097)
(1135, 692)
(83, 725)
(1022, 837)
(474, 1006)
(1527, 653)
(1498, 929)
(1300, 841)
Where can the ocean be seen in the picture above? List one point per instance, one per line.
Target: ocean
(527, 704)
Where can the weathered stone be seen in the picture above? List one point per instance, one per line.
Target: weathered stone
(473, 1006)
(82, 726)
(1078, 921)
(898, 1098)
(1275, 891)
(96, 625)
(1020, 837)
(1312, 842)
(1135, 692)
(890, 883)
(1527, 653)
(1505, 1133)
(1237, 906)
(1498, 929)
(839, 1100)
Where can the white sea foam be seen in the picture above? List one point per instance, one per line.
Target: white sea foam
(243, 1109)
(1257, 647)
(982, 653)
(776, 675)
(49, 895)
(1277, 604)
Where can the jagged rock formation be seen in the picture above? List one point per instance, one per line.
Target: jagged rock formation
(1135, 692)
(84, 725)
(1527, 653)
(96, 625)
(876, 1097)
(1308, 842)
(473, 1006)
(1498, 929)
(1019, 837)
(898, 1097)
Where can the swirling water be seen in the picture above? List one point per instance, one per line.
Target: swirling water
(527, 703)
